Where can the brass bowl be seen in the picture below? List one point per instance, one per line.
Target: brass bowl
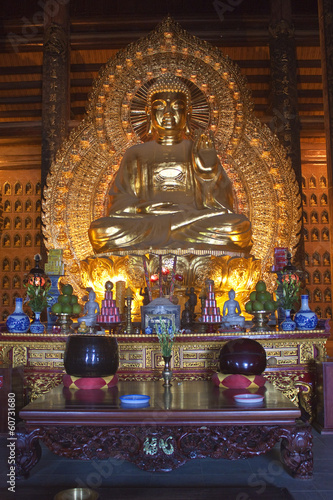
(77, 494)
(260, 321)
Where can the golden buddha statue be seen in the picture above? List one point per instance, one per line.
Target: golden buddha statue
(171, 192)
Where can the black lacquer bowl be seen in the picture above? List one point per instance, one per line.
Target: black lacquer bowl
(243, 356)
(91, 356)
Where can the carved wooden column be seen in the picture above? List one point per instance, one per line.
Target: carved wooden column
(325, 12)
(284, 101)
(56, 91)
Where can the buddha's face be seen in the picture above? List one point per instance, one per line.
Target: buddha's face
(168, 113)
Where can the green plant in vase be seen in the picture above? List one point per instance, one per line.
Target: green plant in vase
(290, 287)
(37, 298)
(289, 290)
(166, 336)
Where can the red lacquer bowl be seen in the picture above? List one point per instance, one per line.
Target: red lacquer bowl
(244, 356)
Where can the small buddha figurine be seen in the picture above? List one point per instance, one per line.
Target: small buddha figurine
(186, 321)
(145, 296)
(232, 311)
(171, 192)
(90, 310)
(192, 301)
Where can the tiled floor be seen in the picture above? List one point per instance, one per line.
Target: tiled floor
(260, 478)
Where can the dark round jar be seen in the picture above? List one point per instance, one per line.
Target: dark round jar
(91, 356)
(243, 356)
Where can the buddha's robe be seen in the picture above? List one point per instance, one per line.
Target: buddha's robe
(160, 199)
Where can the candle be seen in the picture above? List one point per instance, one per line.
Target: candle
(120, 295)
(160, 275)
(173, 275)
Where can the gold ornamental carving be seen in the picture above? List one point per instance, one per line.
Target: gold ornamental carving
(40, 383)
(285, 381)
(190, 355)
(4, 353)
(176, 356)
(137, 357)
(290, 353)
(194, 364)
(306, 351)
(20, 356)
(321, 348)
(149, 353)
(263, 180)
(292, 361)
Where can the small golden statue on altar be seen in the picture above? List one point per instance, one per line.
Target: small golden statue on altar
(171, 192)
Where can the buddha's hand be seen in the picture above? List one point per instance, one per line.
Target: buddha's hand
(145, 207)
(204, 155)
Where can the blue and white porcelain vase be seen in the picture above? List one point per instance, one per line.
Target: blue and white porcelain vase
(288, 325)
(36, 326)
(305, 318)
(18, 321)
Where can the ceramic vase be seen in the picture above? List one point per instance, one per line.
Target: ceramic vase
(18, 321)
(288, 325)
(36, 326)
(305, 318)
(167, 373)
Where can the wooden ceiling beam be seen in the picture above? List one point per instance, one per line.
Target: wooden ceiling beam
(25, 131)
(120, 30)
(95, 67)
(21, 113)
(306, 107)
(83, 96)
(87, 82)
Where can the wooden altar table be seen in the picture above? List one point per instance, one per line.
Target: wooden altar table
(192, 419)
(195, 356)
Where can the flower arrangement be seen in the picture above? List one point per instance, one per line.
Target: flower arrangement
(290, 284)
(38, 294)
(166, 336)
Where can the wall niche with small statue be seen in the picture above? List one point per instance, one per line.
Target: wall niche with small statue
(21, 237)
